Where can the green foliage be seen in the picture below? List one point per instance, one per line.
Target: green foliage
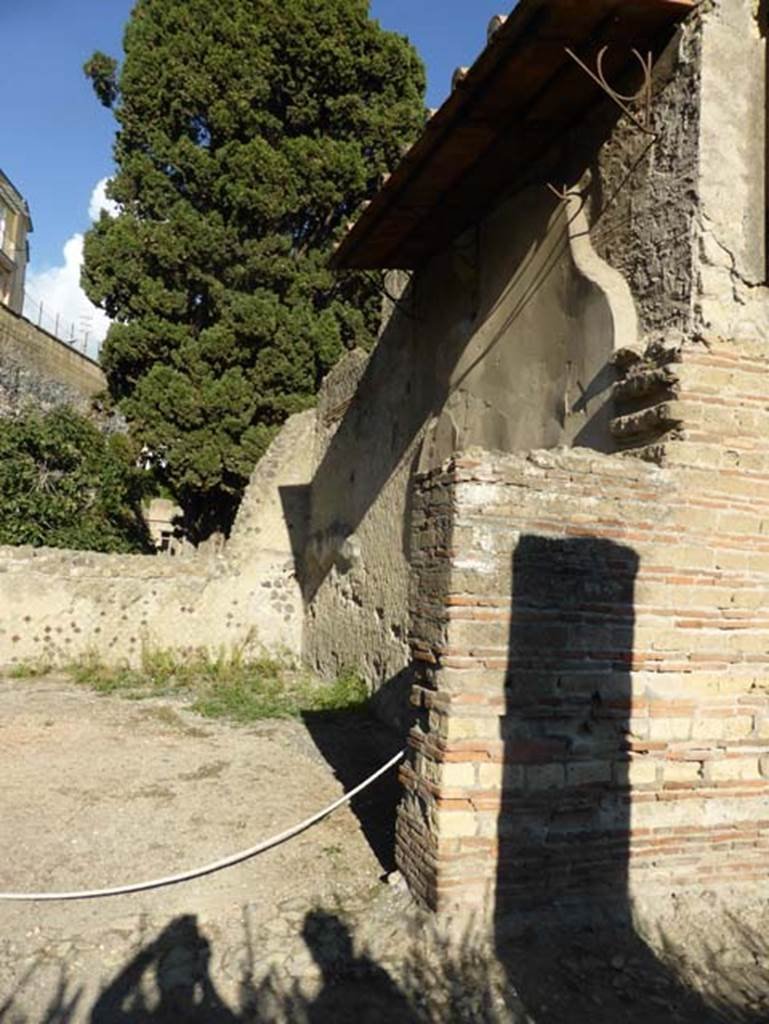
(102, 70)
(250, 133)
(63, 483)
(28, 670)
(225, 686)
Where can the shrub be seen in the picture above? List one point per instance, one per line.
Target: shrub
(64, 483)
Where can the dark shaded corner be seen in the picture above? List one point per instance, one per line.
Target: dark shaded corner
(295, 502)
(428, 353)
(563, 914)
(355, 745)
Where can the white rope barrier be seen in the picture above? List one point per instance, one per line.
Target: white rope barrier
(208, 869)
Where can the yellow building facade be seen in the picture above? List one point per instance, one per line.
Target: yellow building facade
(15, 226)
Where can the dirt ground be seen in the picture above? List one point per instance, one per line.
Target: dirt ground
(98, 791)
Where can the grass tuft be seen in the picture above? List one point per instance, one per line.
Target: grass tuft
(28, 670)
(225, 685)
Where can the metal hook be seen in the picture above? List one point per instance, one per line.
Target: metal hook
(644, 95)
(621, 100)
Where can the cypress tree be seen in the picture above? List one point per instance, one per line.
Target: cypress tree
(249, 134)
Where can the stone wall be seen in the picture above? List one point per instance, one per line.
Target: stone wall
(644, 190)
(511, 338)
(593, 657)
(504, 340)
(682, 214)
(58, 606)
(39, 370)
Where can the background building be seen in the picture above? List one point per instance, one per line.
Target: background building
(15, 226)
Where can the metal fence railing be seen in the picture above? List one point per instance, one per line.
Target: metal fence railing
(75, 332)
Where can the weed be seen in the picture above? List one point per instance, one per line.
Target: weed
(225, 685)
(28, 670)
(263, 689)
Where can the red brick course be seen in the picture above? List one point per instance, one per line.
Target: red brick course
(606, 742)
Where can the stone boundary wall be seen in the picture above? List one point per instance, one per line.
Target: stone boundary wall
(593, 650)
(37, 368)
(57, 606)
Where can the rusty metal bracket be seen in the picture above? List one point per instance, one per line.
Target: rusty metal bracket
(644, 95)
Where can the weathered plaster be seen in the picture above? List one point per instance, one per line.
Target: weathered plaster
(644, 188)
(683, 215)
(504, 341)
(612, 291)
(56, 606)
(732, 299)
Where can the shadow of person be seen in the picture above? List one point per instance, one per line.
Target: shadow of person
(176, 965)
(355, 990)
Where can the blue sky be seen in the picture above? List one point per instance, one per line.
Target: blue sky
(57, 139)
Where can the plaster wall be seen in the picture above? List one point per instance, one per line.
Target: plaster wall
(730, 231)
(57, 606)
(506, 340)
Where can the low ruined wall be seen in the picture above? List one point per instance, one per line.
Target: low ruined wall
(60, 605)
(39, 370)
(57, 606)
(593, 657)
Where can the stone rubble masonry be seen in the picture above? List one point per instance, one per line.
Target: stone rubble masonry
(40, 370)
(58, 606)
(592, 639)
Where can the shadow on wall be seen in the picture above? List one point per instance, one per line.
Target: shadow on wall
(565, 824)
(436, 345)
(565, 827)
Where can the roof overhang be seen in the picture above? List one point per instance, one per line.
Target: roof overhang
(521, 95)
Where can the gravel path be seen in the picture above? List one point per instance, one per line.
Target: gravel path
(97, 791)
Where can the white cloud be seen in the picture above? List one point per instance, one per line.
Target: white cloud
(66, 310)
(99, 201)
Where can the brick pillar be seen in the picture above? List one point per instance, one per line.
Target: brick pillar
(593, 653)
